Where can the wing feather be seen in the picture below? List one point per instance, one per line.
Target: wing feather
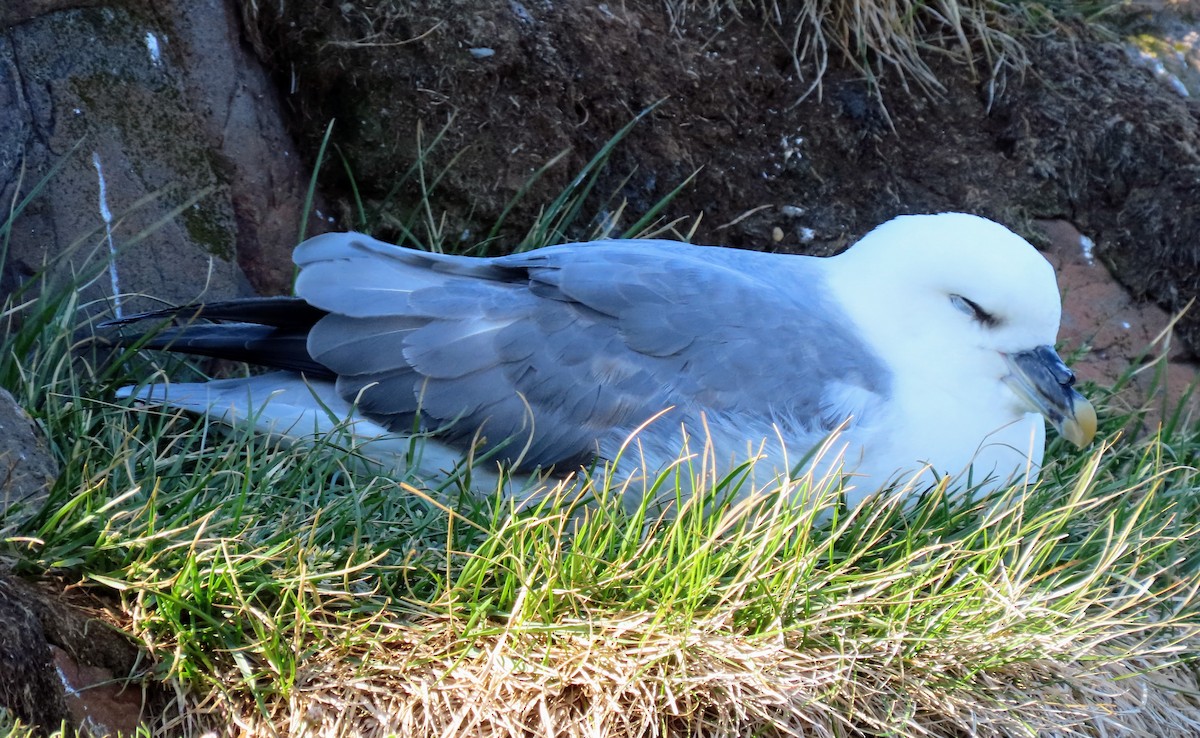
(557, 354)
(446, 349)
(361, 345)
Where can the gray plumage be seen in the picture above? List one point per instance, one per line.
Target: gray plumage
(558, 354)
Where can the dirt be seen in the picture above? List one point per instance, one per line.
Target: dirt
(1083, 136)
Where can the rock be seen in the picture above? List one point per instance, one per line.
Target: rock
(59, 664)
(243, 124)
(28, 685)
(1115, 333)
(99, 704)
(27, 469)
(163, 129)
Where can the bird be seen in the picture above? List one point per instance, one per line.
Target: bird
(924, 351)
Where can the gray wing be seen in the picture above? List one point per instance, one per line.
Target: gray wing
(553, 350)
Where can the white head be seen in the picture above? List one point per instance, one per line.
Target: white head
(920, 263)
(966, 314)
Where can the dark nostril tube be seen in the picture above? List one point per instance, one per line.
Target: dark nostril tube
(1050, 359)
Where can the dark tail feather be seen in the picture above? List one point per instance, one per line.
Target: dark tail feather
(268, 331)
(280, 312)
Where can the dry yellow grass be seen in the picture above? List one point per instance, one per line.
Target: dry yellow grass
(888, 42)
(619, 679)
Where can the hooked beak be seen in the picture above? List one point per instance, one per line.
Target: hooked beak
(1045, 384)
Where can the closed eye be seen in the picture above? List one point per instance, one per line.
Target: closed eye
(971, 308)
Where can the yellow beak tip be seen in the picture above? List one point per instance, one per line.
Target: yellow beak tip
(1080, 429)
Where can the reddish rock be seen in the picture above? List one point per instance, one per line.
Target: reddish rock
(155, 118)
(100, 704)
(59, 662)
(1114, 333)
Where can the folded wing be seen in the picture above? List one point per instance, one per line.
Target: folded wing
(555, 355)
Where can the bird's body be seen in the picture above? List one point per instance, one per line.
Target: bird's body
(904, 349)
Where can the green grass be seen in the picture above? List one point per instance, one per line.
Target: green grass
(11, 727)
(275, 580)
(289, 587)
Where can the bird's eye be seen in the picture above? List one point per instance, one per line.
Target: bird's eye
(971, 308)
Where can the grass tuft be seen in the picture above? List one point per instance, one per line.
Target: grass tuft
(291, 590)
(893, 42)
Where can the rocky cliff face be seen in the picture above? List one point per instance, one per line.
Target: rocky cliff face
(155, 148)
(164, 110)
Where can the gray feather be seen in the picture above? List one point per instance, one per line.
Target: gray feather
(566, 348)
